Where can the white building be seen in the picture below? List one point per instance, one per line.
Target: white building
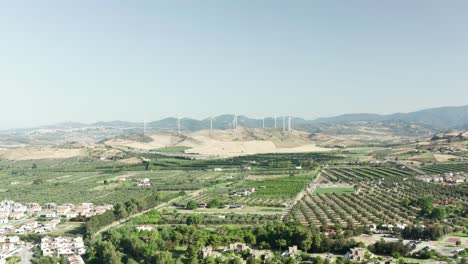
(144, 183)
(59, 246)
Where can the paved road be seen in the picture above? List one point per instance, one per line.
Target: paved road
(25, 253)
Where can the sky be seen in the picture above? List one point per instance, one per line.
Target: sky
(89, 61)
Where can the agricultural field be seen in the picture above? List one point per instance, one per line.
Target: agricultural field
(380, 193)
(335, 190)
(446, 167)
(277, 191)
(75, 181)
(229, 218)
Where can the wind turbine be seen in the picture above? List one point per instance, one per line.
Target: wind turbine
(234, 123)
(284, 123)
(211, 125)
(178, 125)
(263, 123)
(275, 122)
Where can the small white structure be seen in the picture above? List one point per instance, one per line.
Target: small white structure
(144, 183)
(244, 192)
(144, 228)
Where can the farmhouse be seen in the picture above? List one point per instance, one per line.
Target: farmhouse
(291, 252)
(356, 254)
(62, 246)
(237, 247)
(244, 192)
(208, 252)
(144, 183)
(448, 178)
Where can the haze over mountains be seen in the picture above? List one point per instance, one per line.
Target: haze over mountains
(442, 118)
(424, 123)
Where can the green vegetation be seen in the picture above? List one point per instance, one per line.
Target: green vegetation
(335, 190)
(128, 245)
(446, 167)
(285, 187)
(174, 149)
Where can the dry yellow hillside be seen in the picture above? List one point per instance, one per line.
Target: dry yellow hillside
(34, 153)
(224, 143)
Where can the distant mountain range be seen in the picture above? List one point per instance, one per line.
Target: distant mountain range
(438, 119)
(442, 118)
(453, 117)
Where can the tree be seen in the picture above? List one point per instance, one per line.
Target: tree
(426, 204)
(38, 181)
(281, 243)
(215, 203)
(439, 213)
(110, 254)
(192, 205)
(194, 220)
(163, 257)
(120, 211)
(318, 260)
(13, 259)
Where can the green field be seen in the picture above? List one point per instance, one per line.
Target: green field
(74, 181)
(175, 149)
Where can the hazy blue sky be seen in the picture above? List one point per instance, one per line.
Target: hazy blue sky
(104, 60)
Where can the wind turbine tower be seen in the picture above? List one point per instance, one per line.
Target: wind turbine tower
(234, 123)
(263, 123)
(178, 125)
(289, 124)
(284, 123)
(275, 122)
(211, 125)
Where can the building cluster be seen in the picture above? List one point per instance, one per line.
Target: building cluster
(11, 212)
(244, 192)
(236, 248)
(144, 183)
(382, 228)
(62, 246)
(360, 255)
(8, 246)
(446, 178)
(31, 227)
